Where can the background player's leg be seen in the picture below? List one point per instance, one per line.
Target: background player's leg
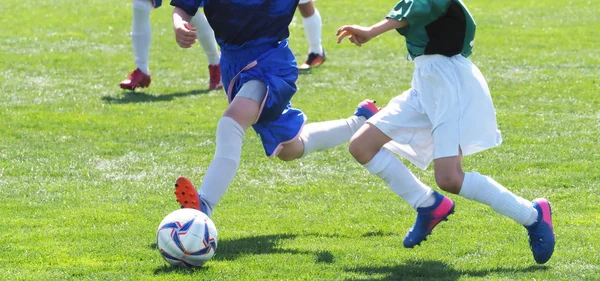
(311, 19)
(206, 38)
(141, 34)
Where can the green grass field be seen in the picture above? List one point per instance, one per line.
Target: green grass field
(87, 170)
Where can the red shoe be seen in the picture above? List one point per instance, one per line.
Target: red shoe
(313, 60)
(367, 108)
(137, 78)
(186, 194)
(215, 77)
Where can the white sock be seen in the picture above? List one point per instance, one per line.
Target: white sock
(312, 27)
(324, 135)
(485, 190)
(400, 180)
(206, 38)
(141, 33)
(224, 165)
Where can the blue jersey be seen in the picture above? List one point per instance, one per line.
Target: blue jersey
(239, 24)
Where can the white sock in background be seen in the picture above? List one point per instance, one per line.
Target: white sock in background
(400, 180)
(324, 135)
(141, 33)
(313, 27)
(206, 38)
(224, 165)
(487, 191)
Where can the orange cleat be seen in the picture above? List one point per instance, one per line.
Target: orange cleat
(137, 78)
(215, 77)
(313, 60)
(186, 194)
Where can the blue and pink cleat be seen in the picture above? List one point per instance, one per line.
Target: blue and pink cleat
(188, 197)
(428, 218)
(366, 108)
(541, 233)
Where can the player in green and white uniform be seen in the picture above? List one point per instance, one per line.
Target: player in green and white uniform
(447, 113)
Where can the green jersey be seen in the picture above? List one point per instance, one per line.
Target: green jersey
(443, 27)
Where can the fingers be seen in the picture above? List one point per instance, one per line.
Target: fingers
(355, 40)
(341, 29)
(351, 37)
(350, 32)
(342, 34)
(185, 41)
(189, 26)
(185, 37)
(184, 45)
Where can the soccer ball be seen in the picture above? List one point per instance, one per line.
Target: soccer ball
(187, 238)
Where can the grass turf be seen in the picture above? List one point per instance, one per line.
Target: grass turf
(86, 170)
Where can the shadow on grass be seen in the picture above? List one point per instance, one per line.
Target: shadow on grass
(140, 97)
(256, 245)
(430, 270)
(264, 245)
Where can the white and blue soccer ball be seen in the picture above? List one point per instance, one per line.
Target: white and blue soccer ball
(187, 238)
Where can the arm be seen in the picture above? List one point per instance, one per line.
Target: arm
(360, 34)
(185, 34)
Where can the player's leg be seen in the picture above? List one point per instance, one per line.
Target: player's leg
(311, 19)
(141, 36)
(535, 216)
(404, 128)
(319, 136)
(432, 207)
(474, 122)
(240, 115)
(206, 38)
(450, 177)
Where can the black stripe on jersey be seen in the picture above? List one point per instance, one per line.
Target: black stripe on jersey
(447, 33)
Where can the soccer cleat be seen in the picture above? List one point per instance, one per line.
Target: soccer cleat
(187, 196)
(137, 78)
(428, 218)
(214, 72)
(313, 60)
(366, 108)
(541, 233)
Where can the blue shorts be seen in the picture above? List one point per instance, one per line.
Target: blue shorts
(274, 65)
(158, 3)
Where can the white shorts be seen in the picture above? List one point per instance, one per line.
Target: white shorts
(304, 1)
(449, 106)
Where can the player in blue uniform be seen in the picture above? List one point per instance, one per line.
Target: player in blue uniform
(259, 74)
(141, 36)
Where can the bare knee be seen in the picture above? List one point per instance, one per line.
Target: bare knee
(360, 151)
(287, 156)
(307, 9)
(366, 143)
(449, 181)
(292, 150)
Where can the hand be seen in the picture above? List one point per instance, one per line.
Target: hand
(355, 33)
(185, 34)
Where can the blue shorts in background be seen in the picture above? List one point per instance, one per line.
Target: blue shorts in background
(158, 3)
